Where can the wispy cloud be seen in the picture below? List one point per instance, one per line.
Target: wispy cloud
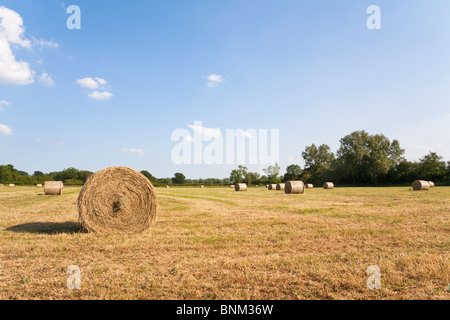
(205, 133)
(46, 80)
(5, 130)
(42, 43)
(140, 152)
(3, 103)
(99, 85)
(213, 80)
(104, 95)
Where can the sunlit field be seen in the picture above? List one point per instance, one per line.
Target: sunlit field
(215, 243)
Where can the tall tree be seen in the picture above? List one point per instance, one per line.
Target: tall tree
(293, 172)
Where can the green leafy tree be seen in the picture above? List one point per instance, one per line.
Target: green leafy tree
(273, 173)
(293, 172)
(432, 167)
(179, 178)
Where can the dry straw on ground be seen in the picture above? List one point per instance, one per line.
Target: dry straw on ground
(294, 187)
(117, 200)
(309, 186)
(421, 185)
(53, 188)
(281, 186)
(240, 187)
(328, 185)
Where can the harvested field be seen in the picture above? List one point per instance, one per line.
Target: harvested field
(216, 243)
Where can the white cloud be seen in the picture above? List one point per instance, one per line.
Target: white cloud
(5, 131)
(140, 152)
(206, 133)
(104, 95)
(44, 43)
(46, 80)
(101, 81)
(3, 103)
(214, 80)
(88, 83)
(11, 32)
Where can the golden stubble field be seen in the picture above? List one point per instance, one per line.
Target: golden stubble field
(215, 243)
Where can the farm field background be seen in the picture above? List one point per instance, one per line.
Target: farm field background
(215, 243)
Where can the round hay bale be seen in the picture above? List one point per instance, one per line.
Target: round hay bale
(267, 186)
(1, 186)
(431, 184)
(272, 187)
(232, 186)
(39, 185)
(240, 187)
(294, 187)
(328, 185)
(309, 186)
(281, 186)
(12, 185)
(167, 187)
(117, 200)
(53, 188)
(421, 185)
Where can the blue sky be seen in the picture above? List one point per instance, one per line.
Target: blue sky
(311, 69)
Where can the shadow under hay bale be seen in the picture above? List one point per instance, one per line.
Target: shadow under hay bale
(294, 187)
(117, 200)
(421, 185)
(47, 228)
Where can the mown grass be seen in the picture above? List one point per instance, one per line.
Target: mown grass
(215, 243)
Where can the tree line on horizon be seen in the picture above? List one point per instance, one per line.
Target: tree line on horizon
(362, 159)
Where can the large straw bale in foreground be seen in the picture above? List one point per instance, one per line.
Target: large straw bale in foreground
(328, 185)
(240, 187)
(53, 188)
(294, 187)
(117, 200)
(419, 185)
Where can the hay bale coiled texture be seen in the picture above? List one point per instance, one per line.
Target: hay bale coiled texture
(12, 185)
(53, 188)
(294, 187)
(117, 200)
(281, 186)
(421, 185)
(309, 186)
(431, 184)
(240, 187)
(328, 185)
(272, 187)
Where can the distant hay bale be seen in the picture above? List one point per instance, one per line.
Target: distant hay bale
(1, 186)
(431, 184)
(421, 185)
(272, 187)
(281, 186)
(202, 187)
(232, 186)
(12, 185)
(294, 187)
(328, 185)
(267, 186)
(117, 200)
(53, 188)
(167, 187)
(240, 187)
(39, 185)
(309, 186)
